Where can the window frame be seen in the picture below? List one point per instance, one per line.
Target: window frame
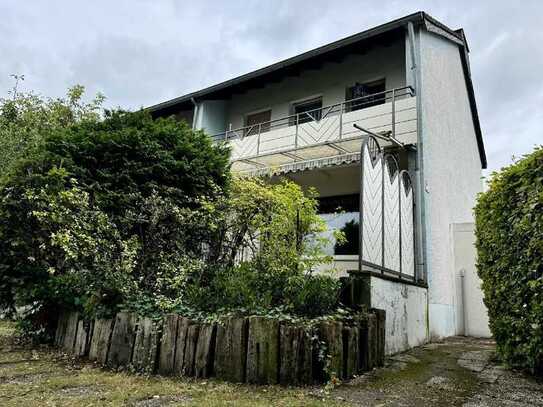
(300, 102)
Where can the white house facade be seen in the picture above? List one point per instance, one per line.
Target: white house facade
(384, 125)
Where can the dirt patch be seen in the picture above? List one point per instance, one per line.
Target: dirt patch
(24, 378)
(158, 401)
(80, 391)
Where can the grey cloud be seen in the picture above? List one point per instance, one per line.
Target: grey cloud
(143, 52)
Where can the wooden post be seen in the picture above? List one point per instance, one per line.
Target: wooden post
(61, 329)
(380, 327)
(231, 349)
(70, 332)
(372, 341)
(296, 350)
(190, 349)
(331, 332)
(350, 351)
(363, 346)
(205, 351)
(146, 346)
(180, 345)
(83, 338)
(122, 340)
(263, 351)
(167, 344)
(101, 336)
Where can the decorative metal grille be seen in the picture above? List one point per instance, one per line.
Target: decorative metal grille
(386, 213)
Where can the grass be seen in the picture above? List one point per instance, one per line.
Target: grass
(45, 377)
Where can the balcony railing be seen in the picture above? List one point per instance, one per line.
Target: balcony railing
(330, 128)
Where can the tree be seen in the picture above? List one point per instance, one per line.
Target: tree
(27, 117)
(115, 199)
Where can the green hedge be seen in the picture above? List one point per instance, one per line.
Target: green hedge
(509, 229)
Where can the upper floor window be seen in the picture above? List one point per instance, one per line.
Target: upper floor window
(362, 95)
(256, 123)
(307, 110)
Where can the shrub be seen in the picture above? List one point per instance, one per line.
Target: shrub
(25, 119)
(143, 215)
(105, 211)
(268, 244)
(509, 231)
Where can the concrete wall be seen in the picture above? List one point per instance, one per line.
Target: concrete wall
(472, 316)
(406, 309)
(330, 82)
(452, 170)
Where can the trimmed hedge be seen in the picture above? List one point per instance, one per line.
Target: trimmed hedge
(509, 231)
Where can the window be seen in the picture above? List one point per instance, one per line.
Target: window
(257, 121)
(307, 111)
(359, 96)
(342, 213)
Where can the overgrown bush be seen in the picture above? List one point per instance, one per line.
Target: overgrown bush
(105, 210)
(27, 117)
(127, 212)
(265, 247)
(509, 229)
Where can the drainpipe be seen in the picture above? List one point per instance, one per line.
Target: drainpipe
(463, 299)
(195, 114)
(419, 167)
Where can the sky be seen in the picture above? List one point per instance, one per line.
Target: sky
(141, 52)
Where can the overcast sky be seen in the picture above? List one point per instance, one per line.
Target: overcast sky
(140, 52)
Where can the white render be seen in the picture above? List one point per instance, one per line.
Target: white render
(436, 119)
(452, 170)
(406, 313)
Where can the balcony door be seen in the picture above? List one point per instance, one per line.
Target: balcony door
(362, 95)
(308, 110)
(257, 122)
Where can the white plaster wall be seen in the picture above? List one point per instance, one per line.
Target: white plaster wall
(330, 82)
(211, 116)
(452, 170)
(406, 313)
(472, 313)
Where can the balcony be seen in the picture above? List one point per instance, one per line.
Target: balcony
(322, 135)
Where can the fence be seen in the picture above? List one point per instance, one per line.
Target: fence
(387, 234)
(238, 349)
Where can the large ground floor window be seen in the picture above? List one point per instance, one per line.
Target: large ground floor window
(341, 213)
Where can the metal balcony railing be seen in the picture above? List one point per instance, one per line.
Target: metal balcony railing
(337, 111)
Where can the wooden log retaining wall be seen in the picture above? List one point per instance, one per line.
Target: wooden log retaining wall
(238, 349)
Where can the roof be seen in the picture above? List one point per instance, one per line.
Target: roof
(316, 55)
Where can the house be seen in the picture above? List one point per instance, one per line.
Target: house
(400, 94)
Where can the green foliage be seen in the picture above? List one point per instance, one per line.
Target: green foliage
(509, 229)
(127, 212)
(25, 119)
(264, 248)
(352, 242)
(104, 211)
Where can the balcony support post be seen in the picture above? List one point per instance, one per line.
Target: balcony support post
(341, 107)
(258, 139)
(394, 113)
(296, 134)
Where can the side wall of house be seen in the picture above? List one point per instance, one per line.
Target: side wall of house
(452, 171)
(330, 82)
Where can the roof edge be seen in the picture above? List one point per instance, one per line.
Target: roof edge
(419, 17)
